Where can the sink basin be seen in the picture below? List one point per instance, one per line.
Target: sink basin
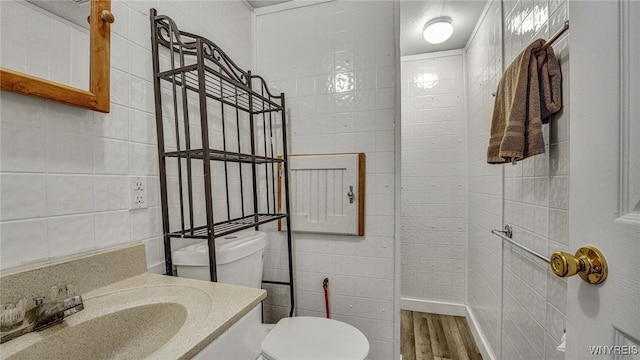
(132, 333)
(139, 322)
(147, 316)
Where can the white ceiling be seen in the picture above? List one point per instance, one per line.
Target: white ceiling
(414, 14)
(464, 15)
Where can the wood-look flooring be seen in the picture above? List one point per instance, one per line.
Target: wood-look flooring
(436, 337)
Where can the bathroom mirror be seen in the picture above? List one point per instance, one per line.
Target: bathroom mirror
(96, 97)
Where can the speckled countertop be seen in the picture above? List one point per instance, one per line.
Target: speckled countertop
(156, 317)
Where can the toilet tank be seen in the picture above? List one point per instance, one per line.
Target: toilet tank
(239, 258)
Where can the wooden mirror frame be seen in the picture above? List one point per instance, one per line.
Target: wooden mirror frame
(97, 97)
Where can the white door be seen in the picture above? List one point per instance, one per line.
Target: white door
(605, 206)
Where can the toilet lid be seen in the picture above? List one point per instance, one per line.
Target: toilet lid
(312, 338)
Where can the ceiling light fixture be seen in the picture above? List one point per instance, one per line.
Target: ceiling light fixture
(438, 30)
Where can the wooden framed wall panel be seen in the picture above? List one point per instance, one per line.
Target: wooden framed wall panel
(328, 193)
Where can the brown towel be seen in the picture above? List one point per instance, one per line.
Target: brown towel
(528, 94)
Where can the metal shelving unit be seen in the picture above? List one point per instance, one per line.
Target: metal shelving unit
(222, 145)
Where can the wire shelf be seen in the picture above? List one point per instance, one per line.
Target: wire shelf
(221, 88)
(227, 227)
(220, 155)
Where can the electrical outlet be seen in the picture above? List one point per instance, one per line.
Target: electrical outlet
(139, 193)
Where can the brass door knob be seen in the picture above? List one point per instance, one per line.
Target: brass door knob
(588, 262)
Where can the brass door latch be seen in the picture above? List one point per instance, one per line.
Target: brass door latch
(588, 262)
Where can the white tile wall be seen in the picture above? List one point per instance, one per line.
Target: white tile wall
(484, 64)
(65, 171)
(433, 185)
(540, 194)
(336, 63)
(535, 198)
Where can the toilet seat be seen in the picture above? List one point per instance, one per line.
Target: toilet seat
(313, 338)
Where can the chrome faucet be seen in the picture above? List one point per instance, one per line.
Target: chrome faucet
(49, 313)
(43, 315)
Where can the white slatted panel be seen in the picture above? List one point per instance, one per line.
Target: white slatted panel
(319, 187)
(318, 193)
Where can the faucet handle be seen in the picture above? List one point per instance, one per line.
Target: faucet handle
(12, 314)
(63, 290)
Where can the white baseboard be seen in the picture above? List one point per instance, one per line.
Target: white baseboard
(433, 307)
(478, 336)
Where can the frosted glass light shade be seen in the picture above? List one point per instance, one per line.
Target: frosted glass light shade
(438, 30)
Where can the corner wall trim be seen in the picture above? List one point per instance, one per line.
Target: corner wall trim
(478, 335)
(289, 5)
(431, 55)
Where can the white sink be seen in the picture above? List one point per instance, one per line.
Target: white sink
(144, 317)
(132, 333)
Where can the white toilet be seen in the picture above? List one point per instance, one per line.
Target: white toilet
(314, 338)
(239, 258)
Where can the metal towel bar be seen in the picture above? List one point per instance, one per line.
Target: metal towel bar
(555, 37)
(506, 236)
